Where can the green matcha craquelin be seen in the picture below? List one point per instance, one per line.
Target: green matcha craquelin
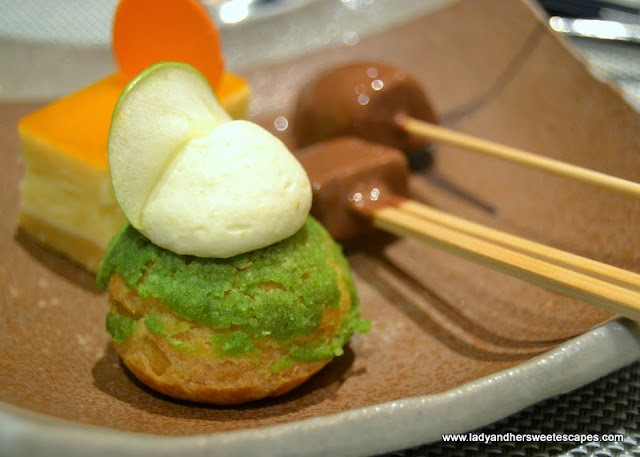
(279, 291)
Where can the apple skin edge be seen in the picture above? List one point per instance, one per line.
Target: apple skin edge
(160, 119)
(144, 73)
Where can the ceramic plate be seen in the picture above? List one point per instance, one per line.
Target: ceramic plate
(454, 346)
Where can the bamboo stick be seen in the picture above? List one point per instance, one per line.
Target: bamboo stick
(528, 159)
(588, 289)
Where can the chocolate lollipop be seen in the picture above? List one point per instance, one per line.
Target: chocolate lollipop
(350, 177)
(360, 99)
(385, 104)
(355, 181)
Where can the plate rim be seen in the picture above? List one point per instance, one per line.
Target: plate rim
(388, 426)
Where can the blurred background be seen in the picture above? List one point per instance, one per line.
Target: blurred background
(69, 41)
(607, 34)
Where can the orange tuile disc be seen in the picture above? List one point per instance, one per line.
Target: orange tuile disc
(146, 32)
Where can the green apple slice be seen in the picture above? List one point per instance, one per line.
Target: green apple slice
(163, 108)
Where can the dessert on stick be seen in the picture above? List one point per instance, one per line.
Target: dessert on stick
(355, 181)
(360, 99)
(382, 103)
(222, 288)
(67, 201)
(347, 173)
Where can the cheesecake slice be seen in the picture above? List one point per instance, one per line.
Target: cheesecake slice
(67, 199)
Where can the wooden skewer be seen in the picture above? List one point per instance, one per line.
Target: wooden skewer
(557, 167)
(586, 288)
(603, 270)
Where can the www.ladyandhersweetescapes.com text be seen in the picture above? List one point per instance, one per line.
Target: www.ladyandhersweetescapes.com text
(489, 438)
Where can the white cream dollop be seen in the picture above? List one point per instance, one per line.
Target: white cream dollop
(235, 190)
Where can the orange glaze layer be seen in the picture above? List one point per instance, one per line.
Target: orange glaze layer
(79, 123)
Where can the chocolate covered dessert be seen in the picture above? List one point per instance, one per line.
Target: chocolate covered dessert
(361, 99)
(348, 173)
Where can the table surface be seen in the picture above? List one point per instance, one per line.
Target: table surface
(610, 405)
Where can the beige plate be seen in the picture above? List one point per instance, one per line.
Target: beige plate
(453, 346)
